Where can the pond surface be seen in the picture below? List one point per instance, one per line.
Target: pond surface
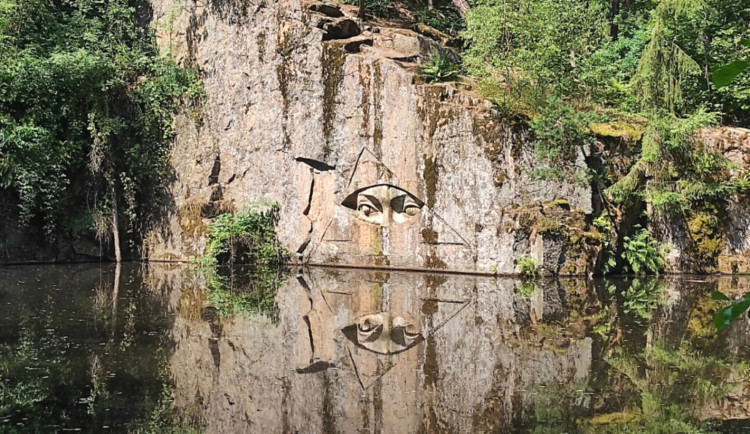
(165, 348)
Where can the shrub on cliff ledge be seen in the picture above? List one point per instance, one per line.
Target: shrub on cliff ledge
(440, 67)
(559, 133)
(528, 267)
(247, 237)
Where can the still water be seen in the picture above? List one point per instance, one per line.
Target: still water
(164, 348)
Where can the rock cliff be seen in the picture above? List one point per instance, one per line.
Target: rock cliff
(309, 108)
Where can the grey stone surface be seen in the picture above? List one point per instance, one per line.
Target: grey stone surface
(307, 123)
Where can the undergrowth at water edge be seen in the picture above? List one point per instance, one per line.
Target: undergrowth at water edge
(247, 237)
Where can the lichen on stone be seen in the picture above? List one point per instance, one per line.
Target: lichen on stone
(430, 176)
(333, 59)
(706, 240)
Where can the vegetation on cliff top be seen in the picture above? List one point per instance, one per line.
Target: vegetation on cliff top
(572, 65)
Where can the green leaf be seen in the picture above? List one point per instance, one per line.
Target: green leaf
(745, 42)
(716, 295)
(724, 75)
(726, 316)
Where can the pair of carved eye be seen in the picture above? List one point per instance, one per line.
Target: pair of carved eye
(371, 206)
(402, 331)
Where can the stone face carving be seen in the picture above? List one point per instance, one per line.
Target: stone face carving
(306, 122)
(383, 205)
(377, 215)
(385, 333)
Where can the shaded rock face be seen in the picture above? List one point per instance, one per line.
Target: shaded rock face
(370, 167)
(378, 352)
(28, 244)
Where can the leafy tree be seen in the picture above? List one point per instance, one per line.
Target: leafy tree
(86, 105)
(532, 47)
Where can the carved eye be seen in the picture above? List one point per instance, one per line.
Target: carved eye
(366, 210)
(410, 206)
(405, 332)
(369, 328)
(412, 210)
(368, 205)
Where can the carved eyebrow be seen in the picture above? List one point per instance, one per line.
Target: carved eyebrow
(399, 203)
(372, 201)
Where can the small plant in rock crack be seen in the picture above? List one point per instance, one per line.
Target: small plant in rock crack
(642, 254)
(440, 67)
(528, 267)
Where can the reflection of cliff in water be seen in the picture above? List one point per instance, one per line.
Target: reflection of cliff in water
(374, 351)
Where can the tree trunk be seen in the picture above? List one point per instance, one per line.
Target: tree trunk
(361, 13)
(614, 10)
(115, 295)
(462, 6)
(115, 228)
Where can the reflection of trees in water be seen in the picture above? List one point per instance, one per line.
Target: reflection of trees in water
(80, 360)
(243, 290)
(671, 386)
(659, 365)
(667, 374)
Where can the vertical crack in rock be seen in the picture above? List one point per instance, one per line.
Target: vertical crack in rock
(319, 166)
(310, 334)
(306, 211)
(213, 178)
(377, 90)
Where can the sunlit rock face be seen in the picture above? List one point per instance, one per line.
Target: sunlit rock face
(363, 351)
(295, 114)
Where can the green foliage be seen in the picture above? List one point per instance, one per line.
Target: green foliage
(532, 47)
(86, 105)
(723, 76)
(559, 134)
(528, 267)
(641, 297)
(248, 293)
(683, 172)
(672, 384)
(731, 313)
(644, 55)
(444, 17)
(247, 237)
(440, 67)
(641, 253)
(664, 65)
(606, 227)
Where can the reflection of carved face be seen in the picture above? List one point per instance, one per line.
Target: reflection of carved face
(384, 333)
(383, 204)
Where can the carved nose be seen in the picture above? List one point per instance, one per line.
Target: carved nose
(386, 217)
